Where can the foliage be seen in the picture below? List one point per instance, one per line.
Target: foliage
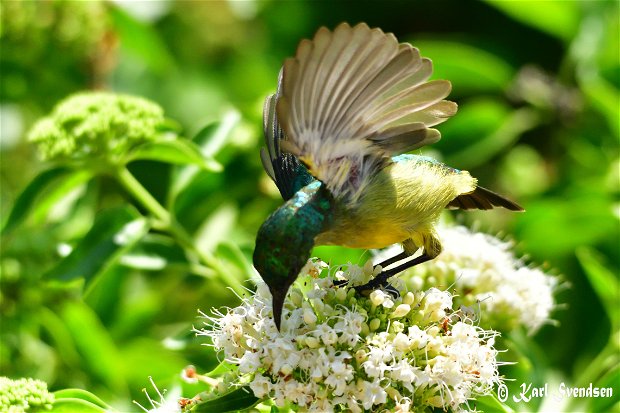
(105, 264)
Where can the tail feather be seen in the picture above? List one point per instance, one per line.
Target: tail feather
(482, 198)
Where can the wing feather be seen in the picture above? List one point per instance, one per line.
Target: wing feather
(283, 168)
(353, 97)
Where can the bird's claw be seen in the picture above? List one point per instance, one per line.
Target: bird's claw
(374, 284)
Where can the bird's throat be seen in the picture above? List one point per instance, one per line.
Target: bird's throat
(286, 238)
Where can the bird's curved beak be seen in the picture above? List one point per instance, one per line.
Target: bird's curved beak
(277, 301)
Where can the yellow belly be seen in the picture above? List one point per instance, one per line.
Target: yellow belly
(367, 234)
(401, 201)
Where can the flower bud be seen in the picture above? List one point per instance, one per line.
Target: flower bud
(341, 294)
(312, 342)
(400, 311)
(296, 297)
(309, 317)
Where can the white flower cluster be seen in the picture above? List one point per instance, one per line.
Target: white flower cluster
(339, 351)
(483, 270)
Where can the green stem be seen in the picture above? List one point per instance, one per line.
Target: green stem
(144, 197)
(169, 224)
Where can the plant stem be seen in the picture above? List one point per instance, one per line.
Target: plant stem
(144, 197)
(170, 225)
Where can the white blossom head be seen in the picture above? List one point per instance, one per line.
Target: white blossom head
(339, 351)
(484, 273)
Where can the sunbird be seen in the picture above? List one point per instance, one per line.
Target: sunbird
(347, 107)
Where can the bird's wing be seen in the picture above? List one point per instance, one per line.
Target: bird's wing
(284, 169)
(352, 98)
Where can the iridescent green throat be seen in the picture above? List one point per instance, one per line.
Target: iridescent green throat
(285, 240)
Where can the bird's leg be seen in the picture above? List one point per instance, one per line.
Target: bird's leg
(383, 264)
(392, 260)
(381, 279)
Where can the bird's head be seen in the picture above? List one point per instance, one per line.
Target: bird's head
(285, 240)
(278, 257)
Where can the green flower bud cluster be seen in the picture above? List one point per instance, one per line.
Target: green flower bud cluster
(339, 351)
(21, 395)
(96, 125)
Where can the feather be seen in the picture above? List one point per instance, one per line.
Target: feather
(283, 168)
(482, 198)
(352, 98)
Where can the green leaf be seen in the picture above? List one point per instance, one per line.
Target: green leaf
(154, 252)
(602, 95)
(114, 232)
(69, 405)
(214, 136)
(99, 355)
(220, 369)
(476, 118)
(453, 61)
(142, 41)
(216, 227)
(557, 18)
(230, 252)
(211, 139)
(144, 357)
(239, 399)
(178, 151)
(508, 132)
(41, 194)
(609, 381)
(82, 395)
(604, 282)
(490, 403)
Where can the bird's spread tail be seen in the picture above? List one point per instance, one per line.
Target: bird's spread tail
(482, 198)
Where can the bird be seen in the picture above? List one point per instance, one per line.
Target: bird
(348, 108)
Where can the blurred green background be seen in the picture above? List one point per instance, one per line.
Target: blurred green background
(537, 87)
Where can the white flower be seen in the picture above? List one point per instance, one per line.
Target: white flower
(486, 275)
(341, 374)
(378, 297)
(402, 342)
(372, 393)
(341, 351)
(261, 386)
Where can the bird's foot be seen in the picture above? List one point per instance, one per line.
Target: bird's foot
(380, 281)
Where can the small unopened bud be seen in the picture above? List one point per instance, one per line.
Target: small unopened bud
(377, 297)
(393, 393)
(341, 294)
(296, 297)
(374, 324)
(312, 342)
(309, 317)
(401, 311)
(286, 369)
